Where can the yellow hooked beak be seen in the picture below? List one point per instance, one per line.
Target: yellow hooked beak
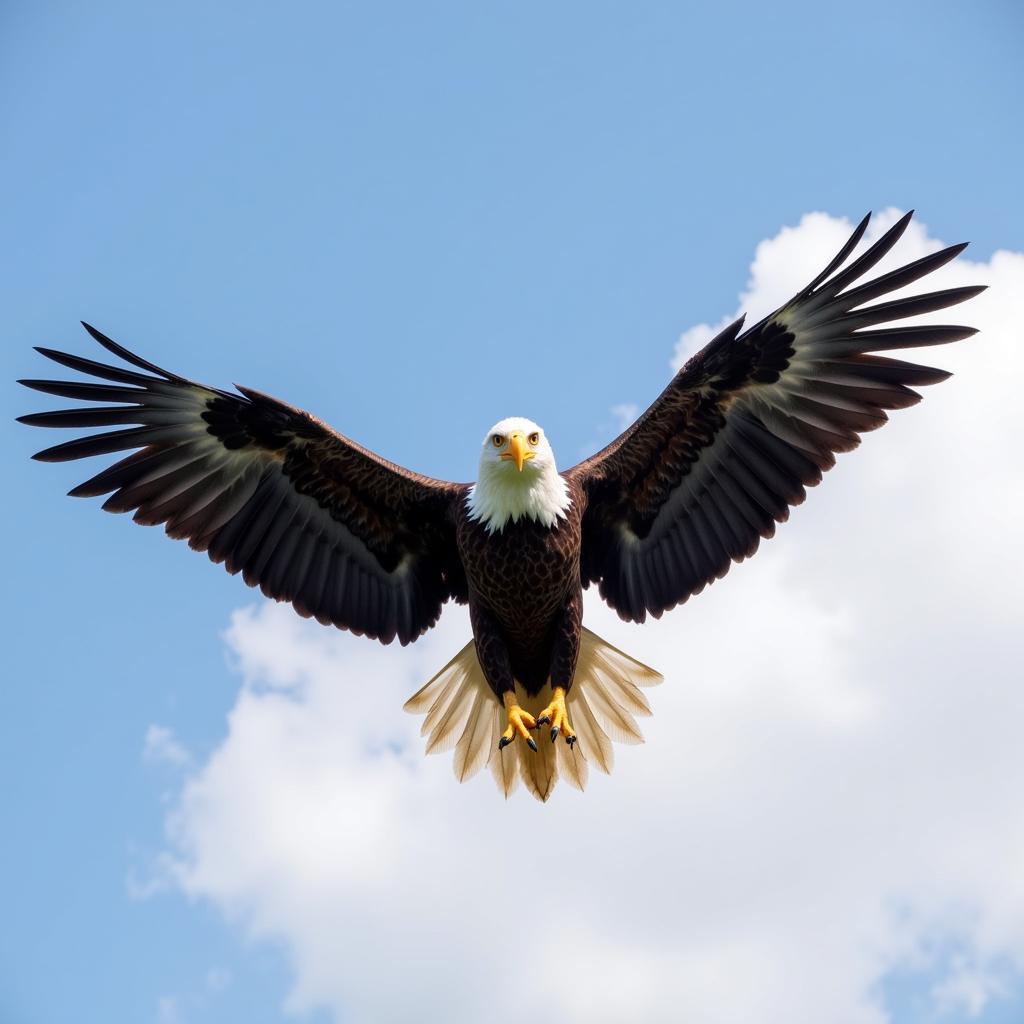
(518, 451)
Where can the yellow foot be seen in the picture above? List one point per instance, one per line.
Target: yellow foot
(556, 714)
(519, 721)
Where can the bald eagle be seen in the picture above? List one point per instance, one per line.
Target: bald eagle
(357, 542)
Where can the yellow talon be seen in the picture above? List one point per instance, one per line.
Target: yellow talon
(556, 714)
(519, 721)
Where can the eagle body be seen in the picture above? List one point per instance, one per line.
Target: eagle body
(355, 541)
(525, 596)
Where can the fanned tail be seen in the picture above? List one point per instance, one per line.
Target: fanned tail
(604, 701)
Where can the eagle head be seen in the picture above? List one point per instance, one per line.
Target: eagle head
(517, 477)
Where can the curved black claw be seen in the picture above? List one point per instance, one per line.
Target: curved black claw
(544, 720)
(570, 740)
(504, 742)
(531, 744)
(554, 734)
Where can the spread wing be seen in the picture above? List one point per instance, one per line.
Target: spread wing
(749, 422)
(305, 514)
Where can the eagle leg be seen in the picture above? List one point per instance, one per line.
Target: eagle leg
(558, 717)
(519, 721)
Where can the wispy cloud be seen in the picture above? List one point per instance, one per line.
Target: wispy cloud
(161, 747)
(218, 979)
(625, 414)
(830, 784)
(196, 1001)
(168, 1011)
(969, 989)
(620, 417)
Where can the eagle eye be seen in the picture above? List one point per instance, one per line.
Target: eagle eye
(534, 439)
(497, 440)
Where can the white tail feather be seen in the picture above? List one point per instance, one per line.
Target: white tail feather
(572, 765)
(462, 711)
(427, 695)
(505, 762)
(593, 739)
(450, 725)
(539, 770)
(472, 749)
(616, 721)
(443, 702)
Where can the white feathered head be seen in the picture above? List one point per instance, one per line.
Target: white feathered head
(517, 477)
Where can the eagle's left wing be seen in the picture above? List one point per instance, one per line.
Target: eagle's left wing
(749, 422)
(304, 513)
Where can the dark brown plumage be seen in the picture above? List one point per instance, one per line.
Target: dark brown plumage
(355, 541)
(525, 597)
(305, 514)
(749, 422)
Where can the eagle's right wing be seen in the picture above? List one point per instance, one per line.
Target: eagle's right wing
(749, 422)
(301, 511)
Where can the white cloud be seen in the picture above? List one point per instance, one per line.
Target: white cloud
(620, 417)
(968, 989)
(198, 1000)
(625, 414)
(161, 747)
(828, 793)
(151, 875)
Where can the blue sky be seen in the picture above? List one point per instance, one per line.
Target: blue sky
(412, 220)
